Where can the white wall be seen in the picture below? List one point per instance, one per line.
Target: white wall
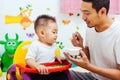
(11, 7)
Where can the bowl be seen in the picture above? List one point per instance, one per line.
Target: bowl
(74, 51)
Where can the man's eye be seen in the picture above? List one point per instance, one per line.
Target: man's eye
(87, 13)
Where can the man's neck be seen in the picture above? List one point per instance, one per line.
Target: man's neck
(104, 25)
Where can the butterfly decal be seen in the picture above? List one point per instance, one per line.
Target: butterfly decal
(66, 22)
(30, 35)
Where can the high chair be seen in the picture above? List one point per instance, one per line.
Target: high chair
(20, 71)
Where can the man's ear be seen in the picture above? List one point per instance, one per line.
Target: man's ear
(102, 11)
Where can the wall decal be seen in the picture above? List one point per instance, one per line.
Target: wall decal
(30, 35)
(22, 17)
(66, 22)
(77, 28)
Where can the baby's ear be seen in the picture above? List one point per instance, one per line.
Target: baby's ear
(41, 32)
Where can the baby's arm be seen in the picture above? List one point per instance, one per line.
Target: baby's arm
(41, 68)
(58, 56)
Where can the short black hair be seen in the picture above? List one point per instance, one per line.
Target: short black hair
(43, 20)
(98, 4)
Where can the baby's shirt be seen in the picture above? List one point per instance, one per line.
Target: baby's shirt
(41, 53)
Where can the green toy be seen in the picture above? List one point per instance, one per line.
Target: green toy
(10, 46)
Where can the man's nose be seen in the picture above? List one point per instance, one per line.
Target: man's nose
(84, 17)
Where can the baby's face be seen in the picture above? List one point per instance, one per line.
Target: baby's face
(51, 33)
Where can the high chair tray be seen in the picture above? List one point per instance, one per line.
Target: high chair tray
(52, 67)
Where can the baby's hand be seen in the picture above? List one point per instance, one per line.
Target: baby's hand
(42, 69)
(60, 59)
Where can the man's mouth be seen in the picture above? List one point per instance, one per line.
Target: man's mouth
(87, 22)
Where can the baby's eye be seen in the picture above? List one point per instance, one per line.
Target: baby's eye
(54, 32)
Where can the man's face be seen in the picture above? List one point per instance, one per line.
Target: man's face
(89, 14)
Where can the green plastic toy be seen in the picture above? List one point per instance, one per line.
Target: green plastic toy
(10, 46)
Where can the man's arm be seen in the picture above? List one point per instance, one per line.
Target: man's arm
(86, 50)
(77, 40)
(113, 74)
(83, 62)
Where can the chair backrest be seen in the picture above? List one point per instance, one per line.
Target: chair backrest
(20, 53)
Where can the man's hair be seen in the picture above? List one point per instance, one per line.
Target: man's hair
(98, 4)
(43, 20)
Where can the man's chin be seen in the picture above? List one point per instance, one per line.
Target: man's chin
(90, 26)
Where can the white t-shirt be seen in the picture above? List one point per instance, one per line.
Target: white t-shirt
(104, 47)
(41, 53)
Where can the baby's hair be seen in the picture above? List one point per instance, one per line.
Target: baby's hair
(43, 20)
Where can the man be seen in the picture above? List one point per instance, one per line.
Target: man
(101, 53)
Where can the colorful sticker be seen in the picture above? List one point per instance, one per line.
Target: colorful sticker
(60, 44)
(77, 28)
(30, 35)
(66, 22)
(22, 17)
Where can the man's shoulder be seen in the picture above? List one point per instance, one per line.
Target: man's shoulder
(117, 21)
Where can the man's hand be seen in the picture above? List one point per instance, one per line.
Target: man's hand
(77, 40)
(82, 62)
